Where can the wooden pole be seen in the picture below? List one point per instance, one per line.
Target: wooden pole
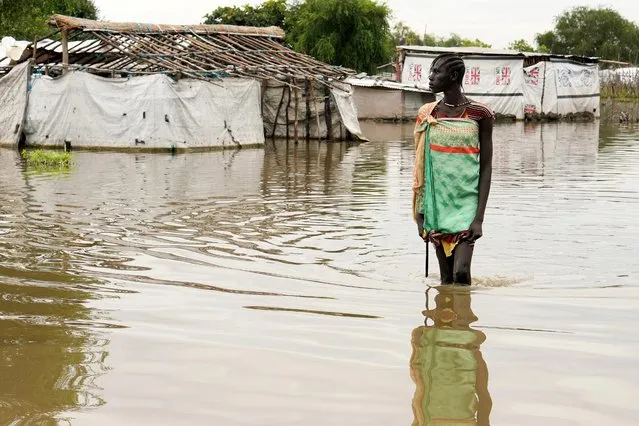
(307, 88)
(264, 87)
(296, 106)
(426, 262)
(288, 107)
(319, 134)
(277, 114)
(328, 116)
(65, 51)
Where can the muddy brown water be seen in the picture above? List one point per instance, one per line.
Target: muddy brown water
(285, 286)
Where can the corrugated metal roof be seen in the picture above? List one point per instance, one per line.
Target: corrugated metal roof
(18, 47)
(461, 50)
(385, 84)
(486, 51)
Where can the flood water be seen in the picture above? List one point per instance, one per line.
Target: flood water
(285, 286)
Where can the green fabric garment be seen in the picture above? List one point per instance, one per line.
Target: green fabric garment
(451, 175)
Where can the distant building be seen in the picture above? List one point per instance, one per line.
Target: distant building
(379, 99)
(513, 83)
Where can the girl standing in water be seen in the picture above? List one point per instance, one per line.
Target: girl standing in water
(453, 168)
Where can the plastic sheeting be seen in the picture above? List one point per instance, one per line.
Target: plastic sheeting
(11, 50)
(535, 81)
(279, 106)
(496, 81)
(559, 87)
(145, 112)
(13, 104)
(625, 75)
(343, 97)
(577, 88)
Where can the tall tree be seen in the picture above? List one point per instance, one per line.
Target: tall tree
(545, 41)
(520, 45)
(27, 19)
(601, 32)
(351, 33)
(402, 34)
(269, 13)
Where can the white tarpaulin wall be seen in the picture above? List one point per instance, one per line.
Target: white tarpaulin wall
(146, 112)
(540, 92)
(13, 103)
(494, 80)
(343, 97)
(577, 87)
(561, 87)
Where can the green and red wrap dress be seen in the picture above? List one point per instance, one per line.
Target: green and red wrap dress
(446, 174)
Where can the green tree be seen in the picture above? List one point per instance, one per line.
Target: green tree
(402, 34)
(520, 45)
(454, 40)
(601, 32)
(269, 13)
(352, 33)
(27, 19)
(545, 41)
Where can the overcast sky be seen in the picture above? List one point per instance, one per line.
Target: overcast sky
(494, 21)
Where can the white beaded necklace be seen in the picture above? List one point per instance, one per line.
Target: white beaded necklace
(466, 102)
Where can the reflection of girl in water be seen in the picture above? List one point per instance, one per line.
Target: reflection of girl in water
(447, 367)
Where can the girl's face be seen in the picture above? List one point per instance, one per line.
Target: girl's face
(438, 79)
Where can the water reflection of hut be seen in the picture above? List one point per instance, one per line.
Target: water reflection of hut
(446, 365)
(302, 169)
(146, 86)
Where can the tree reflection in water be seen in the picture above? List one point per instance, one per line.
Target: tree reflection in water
(48, 357)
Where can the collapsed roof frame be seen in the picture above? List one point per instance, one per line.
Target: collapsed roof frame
(205, 52)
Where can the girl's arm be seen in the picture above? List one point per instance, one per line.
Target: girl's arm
(485, 174)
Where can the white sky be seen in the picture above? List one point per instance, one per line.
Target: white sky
(497, 22)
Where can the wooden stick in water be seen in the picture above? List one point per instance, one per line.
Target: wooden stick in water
(426, 263)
